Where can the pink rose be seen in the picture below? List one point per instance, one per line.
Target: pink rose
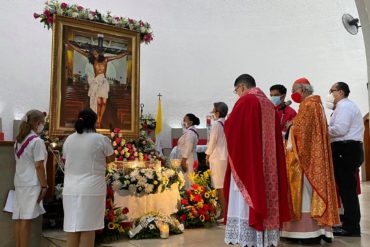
(47, 13)
(35, 15)
(80, 8)
(93, 13)
(148, 37)
(50, 20)
(63, 5)
(120, 158)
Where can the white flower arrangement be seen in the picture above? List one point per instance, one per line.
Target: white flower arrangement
(140, 181)
(148, 226)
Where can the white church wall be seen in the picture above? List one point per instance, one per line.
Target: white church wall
(199, 48)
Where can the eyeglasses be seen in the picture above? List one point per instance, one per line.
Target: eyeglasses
(333, 90)
(236, 89)
(294, 90)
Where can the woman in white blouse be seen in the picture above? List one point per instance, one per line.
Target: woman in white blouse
(30, 177)
(186, 146)
(86, 153)
(216, 153)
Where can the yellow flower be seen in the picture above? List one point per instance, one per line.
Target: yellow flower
(121, 230)
(110, 225)
(127, 154)
(202, 218)
(155, 182)
(200, 204)
(191, 198)
(190, 216)
(213, 193)
(206, 195)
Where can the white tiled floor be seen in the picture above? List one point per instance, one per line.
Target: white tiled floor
(214, 237)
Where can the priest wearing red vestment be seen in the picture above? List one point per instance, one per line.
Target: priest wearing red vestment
(255, 186)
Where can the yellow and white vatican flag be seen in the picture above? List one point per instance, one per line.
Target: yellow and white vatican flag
(158, 126)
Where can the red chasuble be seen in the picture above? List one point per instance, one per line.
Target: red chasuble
(256, 160)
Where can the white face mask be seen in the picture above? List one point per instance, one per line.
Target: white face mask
(330, 101)
(40, 128)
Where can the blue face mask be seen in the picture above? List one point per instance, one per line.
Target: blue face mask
(276, 100)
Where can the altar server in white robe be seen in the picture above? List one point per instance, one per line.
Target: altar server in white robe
(30, 177)
(186, 146)
(216, 153)
(86, 153)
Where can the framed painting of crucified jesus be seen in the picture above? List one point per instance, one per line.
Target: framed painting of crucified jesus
(94, 65)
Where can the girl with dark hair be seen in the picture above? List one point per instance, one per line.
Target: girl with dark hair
(30, 178)
(216, 153)
(86, 153)
(186, 146)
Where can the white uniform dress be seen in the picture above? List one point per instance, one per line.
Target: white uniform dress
(186, 148)
(84, 181)
(217, 151)
(26, 182)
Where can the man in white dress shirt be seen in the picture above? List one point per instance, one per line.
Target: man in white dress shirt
(346, 131)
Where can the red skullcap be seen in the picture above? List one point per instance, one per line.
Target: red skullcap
(302, 80)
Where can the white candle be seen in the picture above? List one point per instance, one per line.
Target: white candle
(164, 230)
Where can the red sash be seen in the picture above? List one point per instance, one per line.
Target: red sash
(23, 147)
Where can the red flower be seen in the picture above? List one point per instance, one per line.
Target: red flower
(126, 224)
(120, 158)
(207, 216)
(118, 141)
(148, 37)
(119, 149)
(110, 192)
(63, 5)
(131, 21)
(111, 215)
(131, 158)
(47, 13)
(184, 202)
(197, 198)
(80, 8)
(125, 210)
(35, 15)
(50, 20)
(183, 217)
(116, 130)
(194, 186)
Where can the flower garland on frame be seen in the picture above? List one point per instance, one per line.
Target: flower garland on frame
(77, 11)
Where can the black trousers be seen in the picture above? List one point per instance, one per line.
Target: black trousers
(347, 157)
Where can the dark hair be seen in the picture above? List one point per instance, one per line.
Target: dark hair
(29, 122)
(86, 121)
(246, 79)
(92, 58)
(221, 108)
(193, 118)
(344, 87)
(278, 87)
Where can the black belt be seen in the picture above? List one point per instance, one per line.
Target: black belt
(348, 142)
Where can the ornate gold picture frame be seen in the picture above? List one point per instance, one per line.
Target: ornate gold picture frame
(98, 66)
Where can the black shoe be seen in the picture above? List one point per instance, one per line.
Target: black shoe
(326, 239)
(344, 233)
(310, 241)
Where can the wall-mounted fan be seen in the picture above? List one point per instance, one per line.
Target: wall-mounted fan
(350, 23)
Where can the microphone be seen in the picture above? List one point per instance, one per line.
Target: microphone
(285, 104)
